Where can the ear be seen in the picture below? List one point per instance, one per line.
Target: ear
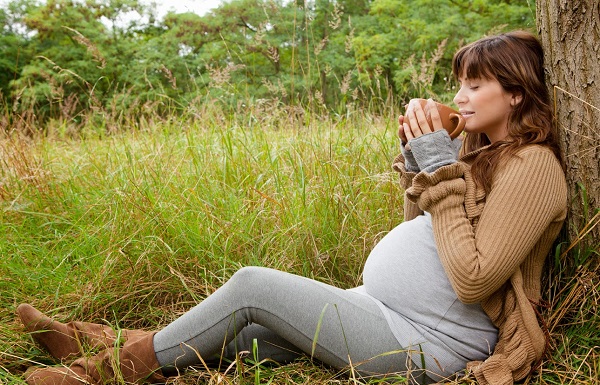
(516, 99)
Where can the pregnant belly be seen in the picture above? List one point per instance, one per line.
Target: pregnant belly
(405, 273)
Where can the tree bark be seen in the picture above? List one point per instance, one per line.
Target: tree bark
(570, 33)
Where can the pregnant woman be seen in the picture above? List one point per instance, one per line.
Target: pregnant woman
(453, 288)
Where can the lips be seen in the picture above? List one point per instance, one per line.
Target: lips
(466, 114)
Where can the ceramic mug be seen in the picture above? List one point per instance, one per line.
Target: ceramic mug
(452, 120)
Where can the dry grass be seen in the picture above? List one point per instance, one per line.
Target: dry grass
(127, 228)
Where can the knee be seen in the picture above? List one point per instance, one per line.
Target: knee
(250, 276)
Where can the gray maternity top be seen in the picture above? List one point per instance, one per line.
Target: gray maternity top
(404, 276)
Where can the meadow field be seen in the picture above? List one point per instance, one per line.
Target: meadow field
(133, 228)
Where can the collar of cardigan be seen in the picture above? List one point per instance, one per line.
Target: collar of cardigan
(471, 155)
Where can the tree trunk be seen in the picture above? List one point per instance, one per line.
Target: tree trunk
(570, 33)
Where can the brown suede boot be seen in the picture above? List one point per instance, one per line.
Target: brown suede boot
(134, 363)
(67, 340)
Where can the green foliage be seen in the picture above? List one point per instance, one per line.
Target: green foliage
(13, 44)
(413, 40)
(72, 59)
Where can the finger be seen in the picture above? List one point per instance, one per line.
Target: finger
(434, 114)
(422, 118)
(413, 121)
(401, 133)
(408, 132)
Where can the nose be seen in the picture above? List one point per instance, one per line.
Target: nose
(460, 97)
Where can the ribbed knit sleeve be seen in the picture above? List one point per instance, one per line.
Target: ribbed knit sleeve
(411, 209)
(480, 256)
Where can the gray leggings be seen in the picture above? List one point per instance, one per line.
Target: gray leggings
(288, 315)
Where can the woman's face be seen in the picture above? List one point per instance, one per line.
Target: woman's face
(485, 105)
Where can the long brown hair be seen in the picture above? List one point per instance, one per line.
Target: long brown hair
(516, 61)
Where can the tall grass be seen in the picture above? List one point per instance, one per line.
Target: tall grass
(136, 227)
(573, 286)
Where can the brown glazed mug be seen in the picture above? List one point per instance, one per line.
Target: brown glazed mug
(452, 120)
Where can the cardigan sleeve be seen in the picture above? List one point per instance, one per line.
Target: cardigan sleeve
(528, 193)
(411, 209)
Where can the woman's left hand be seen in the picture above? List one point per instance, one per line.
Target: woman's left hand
(415, 123)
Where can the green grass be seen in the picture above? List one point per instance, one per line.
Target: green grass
(134, 228)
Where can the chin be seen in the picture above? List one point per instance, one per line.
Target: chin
(473, 130)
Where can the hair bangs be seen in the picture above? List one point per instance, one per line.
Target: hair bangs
(472, 62)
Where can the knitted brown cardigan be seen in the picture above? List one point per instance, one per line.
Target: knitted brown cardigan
(493, 246)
